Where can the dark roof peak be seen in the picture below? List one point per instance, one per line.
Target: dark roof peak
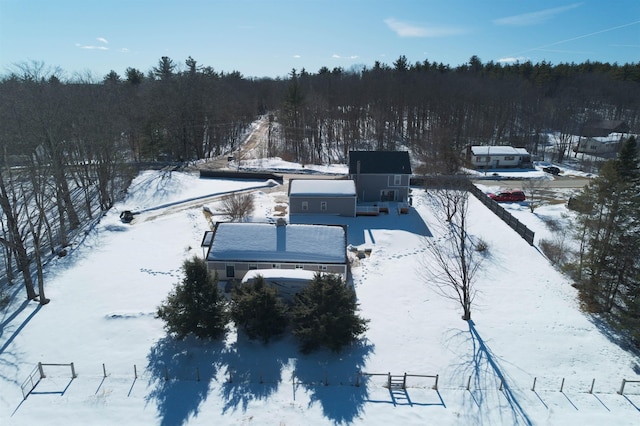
(379, 162)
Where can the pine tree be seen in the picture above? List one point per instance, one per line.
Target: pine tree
(195, 306)
(325, 314)
(257, 309)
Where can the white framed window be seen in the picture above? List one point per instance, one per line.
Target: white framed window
(323, 205)
(509, 158)
(275, 266)
(305, 206)
(397, 180)
(322, 267)
(299, 266)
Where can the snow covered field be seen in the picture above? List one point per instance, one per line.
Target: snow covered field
(526, 328)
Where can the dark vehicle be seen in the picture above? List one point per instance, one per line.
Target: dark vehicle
(552, 169)
(508, 196)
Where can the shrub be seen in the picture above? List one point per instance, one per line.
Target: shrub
(324, 314)
(237, 206)
(195, 306)
(257, 309)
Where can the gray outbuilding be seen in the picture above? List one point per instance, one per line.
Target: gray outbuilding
(322, 196)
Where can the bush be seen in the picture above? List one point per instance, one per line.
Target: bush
(257, 309)
(324, 314)
(237, 206)
(195, 306)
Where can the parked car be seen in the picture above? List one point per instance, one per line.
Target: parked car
(552, 169)
(508, 196)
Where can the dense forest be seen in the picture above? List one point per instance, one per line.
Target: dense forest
(70, 146)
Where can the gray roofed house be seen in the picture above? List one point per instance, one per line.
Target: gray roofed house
(322, 196)
(380, 175)
(235, 248)
(603, 128)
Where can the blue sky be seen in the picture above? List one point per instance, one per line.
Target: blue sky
(268, 38)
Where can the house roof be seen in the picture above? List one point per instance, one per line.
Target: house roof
(268, 242)
(322, 187)
(379, 162)
(488, 151)
(602, 128)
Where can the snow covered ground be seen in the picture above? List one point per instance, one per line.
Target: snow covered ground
(526, 329)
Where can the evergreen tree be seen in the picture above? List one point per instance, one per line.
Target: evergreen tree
(324, 314)
(611, 235)
(195, 305)
(257, 309)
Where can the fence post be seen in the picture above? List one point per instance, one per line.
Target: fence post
(73, 371)
(166, 373)
(357, 379)
(389, 379)
(135, 371)
(533, 388)
(198, 373)
(404, 381)
(593, 382)
(469, 383)
(41, 369)
(562, 385)
(104, 370)
(435, 387)
(621, 391)
(501, 383)
(260, 376)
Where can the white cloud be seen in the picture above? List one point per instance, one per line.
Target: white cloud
(405, 29)
(512, 60)
(102, 40)
(534, 18)
(91, 47)
(297, 56)
(336, 56)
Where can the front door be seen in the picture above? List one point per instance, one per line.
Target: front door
(388, 195)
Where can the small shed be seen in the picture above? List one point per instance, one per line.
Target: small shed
(322, 196)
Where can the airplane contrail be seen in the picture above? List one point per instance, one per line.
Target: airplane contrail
(579, 37)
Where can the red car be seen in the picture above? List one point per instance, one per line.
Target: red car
(508, 196)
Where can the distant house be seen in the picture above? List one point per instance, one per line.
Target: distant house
(233, 249)
(603, 128)
(601, 137)
(322, 196)
(380, 175)
(496, 156)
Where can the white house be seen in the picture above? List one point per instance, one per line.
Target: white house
(496, 156)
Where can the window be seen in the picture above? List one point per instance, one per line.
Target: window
(397, 180)
(323, 205)
(253, 266)
(230, 270)
(299, 266)
(322, 267)
(509, 158)
(275, 266)
(305, 206)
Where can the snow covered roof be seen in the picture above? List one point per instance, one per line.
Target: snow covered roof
(322, 187)
(280, 274)
(497, 150)
(268, 242)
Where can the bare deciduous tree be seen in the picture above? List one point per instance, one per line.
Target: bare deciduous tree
(454, 258)
(237, 206)
(533, 188)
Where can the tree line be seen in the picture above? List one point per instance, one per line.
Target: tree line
(70, 146)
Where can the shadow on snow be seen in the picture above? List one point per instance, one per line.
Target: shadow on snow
(182, 373)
